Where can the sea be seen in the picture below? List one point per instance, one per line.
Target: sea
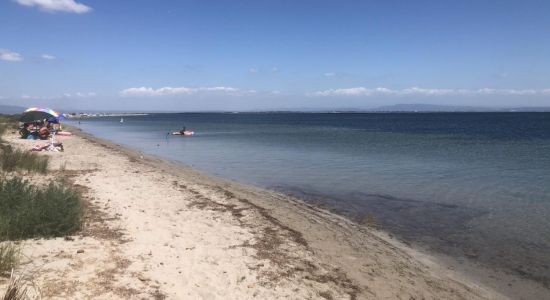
(471, 185)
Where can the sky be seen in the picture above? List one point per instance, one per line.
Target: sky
(265, 55)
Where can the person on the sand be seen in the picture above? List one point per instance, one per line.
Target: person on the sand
(43, 133)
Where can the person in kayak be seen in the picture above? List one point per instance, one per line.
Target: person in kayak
(182, 131)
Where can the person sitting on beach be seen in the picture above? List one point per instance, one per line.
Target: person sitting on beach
(44, 133)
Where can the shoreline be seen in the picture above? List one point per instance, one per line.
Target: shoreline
(288, 244)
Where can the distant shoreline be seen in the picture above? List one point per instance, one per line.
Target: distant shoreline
(101, 115)
(129, 114)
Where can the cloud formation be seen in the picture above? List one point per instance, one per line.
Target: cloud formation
(9, 55)
(381, 91)
(69, 6)
(48, 57)
(63, 96)
(79, 95)
(167, 91)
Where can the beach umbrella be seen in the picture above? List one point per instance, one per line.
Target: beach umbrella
(38, 114)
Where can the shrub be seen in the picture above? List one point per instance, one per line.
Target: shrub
(9, 118)
(12, 160)
(27, 211)
(3, 128)
(17, 289)
(7, 122)
(9, 257)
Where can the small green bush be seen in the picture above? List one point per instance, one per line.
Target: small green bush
(9, 257)
(17, 289)
(9, 118)
(27, 211)
(8, 122)
(3, 128)
(12, 160)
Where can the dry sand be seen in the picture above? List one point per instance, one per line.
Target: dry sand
(157, 229)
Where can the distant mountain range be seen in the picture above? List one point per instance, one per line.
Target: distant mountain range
(449, 108)
(420, 107)
(11, 109)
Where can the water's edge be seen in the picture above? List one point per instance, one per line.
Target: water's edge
(472, 186)
(488, 274)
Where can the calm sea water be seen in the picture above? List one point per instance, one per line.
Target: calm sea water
(466, 184)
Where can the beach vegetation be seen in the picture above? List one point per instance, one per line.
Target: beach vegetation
(12, 119)
(3, 128)
(27, 211)
(17, 289)
(9, 257)
(15, 159)
(8, 122)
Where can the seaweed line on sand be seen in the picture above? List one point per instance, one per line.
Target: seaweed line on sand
(271, 242)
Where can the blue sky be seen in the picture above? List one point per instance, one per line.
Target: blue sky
(241, 55)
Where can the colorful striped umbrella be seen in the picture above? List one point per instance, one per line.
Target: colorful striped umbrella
(37, 114)
(46, 110)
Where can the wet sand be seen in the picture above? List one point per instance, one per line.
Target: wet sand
(435, 228)
(158, 229)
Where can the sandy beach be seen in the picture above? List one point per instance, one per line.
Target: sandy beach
(158, 229)
(274, 150)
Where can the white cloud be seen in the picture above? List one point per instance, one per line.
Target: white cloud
(80, 95)
(362, 91)
(147, 91)
(487, 91)
(64, 95)
(218, 89)
(83, 95)
(427, 92)
(166, 91)
(252, 70)
(357, 91)
(69, 6)
(9, 55)
(329, 74)
(274, 69)
(48, 57)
